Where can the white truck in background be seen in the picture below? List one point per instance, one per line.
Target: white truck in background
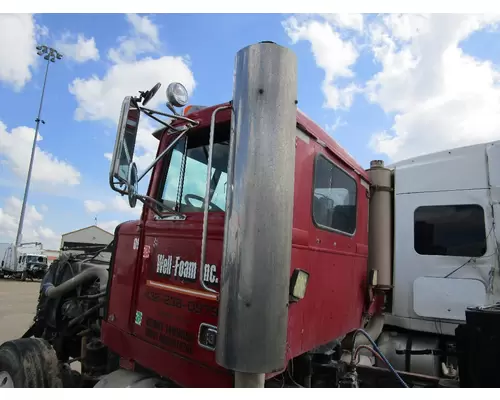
(435, 227)
(25, 263)
(3, 249)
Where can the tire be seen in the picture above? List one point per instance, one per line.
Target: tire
(29, 363)
(23, 276)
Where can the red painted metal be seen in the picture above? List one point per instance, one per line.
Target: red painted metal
(123, 273)
(165, 338)
(181, 370)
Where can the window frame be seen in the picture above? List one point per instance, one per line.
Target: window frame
(163, 170)
(475, 205)
(166, 162)
(343, 170)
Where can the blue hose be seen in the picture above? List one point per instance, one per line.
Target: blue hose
(403, 383)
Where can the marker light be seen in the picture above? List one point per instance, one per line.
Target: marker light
(192, 109)
(298, 284)
(177, 94)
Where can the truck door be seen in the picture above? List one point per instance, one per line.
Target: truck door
(493, 157)
(338, 268)
(443, 253)
(173, 307)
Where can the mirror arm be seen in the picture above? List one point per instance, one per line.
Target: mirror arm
(144, 199)
(150, 112)
(121, 191)
(163, 153)
(135, 102)
(150, 115)
(171, 108)
(113, 184)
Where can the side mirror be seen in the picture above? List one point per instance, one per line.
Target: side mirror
(123, 175)
(133, 185)
(126, 136)
(147, 96)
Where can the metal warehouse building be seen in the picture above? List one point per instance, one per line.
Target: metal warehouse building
(89, 235)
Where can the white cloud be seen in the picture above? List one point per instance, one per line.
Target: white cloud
(77, 47)
(335, 126)
(120, 204)
(143, 39)
(435, 94)
(109, 225)
(15, 150)
(116, 203)
(144, 27)
(33, 230)
(94, 206)
(441, 97)
(17, 49)
(100, 98)
(43, 31)
(347, 21)
(334, 54)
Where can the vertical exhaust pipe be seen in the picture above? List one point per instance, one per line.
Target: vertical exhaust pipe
(253, 309)
(380, 224)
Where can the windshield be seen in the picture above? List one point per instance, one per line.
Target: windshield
(185, 182)
(36, 259)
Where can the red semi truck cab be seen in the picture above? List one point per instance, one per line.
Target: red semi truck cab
(252, 246)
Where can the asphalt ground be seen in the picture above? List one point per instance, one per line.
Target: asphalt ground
(17, 307)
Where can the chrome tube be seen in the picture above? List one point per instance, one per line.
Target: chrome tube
(163, 153)
(207, 199)
(256, 265)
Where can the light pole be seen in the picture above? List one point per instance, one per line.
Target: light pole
(50, 55)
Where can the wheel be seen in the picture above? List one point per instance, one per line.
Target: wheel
(70, 378)
(23, 276)
(29, 363)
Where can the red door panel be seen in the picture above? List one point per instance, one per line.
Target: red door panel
(171, 304)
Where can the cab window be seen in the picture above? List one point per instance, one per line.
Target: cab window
(450, 230)
(186, 178)
(334, 198)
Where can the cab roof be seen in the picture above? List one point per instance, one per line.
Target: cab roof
(306, 124)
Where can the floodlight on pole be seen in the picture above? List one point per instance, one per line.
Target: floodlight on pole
(50, 55)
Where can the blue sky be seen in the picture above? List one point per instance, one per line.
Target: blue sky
(384, 86)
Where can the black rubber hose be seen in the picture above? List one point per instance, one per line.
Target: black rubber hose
(100, 272)
(81, 317)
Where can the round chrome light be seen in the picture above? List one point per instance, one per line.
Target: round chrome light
(177, 94)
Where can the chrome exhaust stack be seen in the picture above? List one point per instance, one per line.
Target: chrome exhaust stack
(253, 309)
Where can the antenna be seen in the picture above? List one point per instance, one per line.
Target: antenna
(95, 220)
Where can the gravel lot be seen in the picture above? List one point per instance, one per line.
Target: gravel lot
(17, 307)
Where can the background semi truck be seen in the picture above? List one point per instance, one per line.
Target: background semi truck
(3, 249)
(265, 255)
(27, 261)
(436, 232)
